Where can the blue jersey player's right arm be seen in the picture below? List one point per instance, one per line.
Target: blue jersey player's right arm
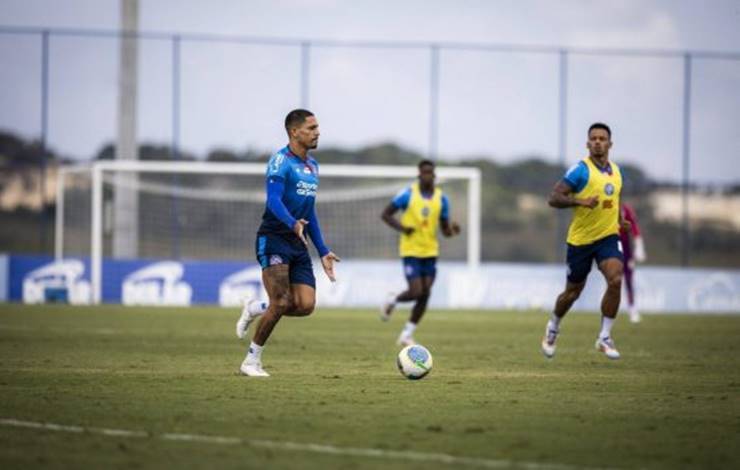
(277, 174)
(275, 190)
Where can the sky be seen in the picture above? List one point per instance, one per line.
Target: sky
(497, 104)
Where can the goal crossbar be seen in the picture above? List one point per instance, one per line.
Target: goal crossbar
(99, 169)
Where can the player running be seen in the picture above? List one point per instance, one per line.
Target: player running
(592, 187)
(634, 252)
(281, 245)
(424, 207)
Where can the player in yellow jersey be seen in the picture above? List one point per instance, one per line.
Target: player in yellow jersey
(592, 187)
(424, 208)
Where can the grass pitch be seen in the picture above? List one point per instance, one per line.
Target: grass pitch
(336, 400)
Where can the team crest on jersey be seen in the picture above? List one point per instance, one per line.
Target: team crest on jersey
(609, 189)
(425, 211)
(275, 260)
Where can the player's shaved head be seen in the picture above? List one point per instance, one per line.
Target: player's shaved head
(295, 118)
(600, 125)
(424, 163)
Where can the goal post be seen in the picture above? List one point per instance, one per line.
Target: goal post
(211, 210)
(72, 228)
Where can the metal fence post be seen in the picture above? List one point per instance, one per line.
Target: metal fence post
(434, 102)
(685, 177)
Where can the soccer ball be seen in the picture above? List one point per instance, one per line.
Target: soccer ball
(414, 362)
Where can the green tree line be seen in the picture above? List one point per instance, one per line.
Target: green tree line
(517, 223)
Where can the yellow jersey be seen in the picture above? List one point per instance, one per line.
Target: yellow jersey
(423, 215)
(587, 180)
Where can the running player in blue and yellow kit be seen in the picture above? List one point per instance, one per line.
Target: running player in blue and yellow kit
(424, 208)
(592, 187)
(281, 245)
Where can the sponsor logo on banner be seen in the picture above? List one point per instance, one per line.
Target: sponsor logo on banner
(714, 293)
(651, 296)
(157, 284)
(244, 284)
(344, 292)
(59, 276)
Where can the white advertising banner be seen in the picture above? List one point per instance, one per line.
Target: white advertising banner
(531, 286)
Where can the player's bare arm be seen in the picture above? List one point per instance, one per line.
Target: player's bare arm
(389, 219)
(625, 224)
(562, 197)
(449, 229)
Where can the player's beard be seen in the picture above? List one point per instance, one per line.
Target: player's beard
(598, 153)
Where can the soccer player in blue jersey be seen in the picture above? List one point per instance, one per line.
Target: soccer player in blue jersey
(282, 248)
(424, 208)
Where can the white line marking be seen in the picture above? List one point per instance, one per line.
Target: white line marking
(118, 432)
(49, 426)
(294, 446)
(197, 438)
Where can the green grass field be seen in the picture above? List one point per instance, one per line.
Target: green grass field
(492, 400)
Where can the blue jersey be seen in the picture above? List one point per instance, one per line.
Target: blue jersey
(301, 181)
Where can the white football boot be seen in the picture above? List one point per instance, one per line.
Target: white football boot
(246, 319)
(387, 307)
(606, 345)
(253, 368)
(635, 316)
(405, 340)
(548, 341)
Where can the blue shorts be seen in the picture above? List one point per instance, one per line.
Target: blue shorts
(581, 257)
(275, 249)
(414, 267)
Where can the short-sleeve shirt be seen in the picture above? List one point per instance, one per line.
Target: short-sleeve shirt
(587, 180)
(577, 176)
(401, 202)
(422, 212)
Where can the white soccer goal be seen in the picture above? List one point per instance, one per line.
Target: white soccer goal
(211, 211)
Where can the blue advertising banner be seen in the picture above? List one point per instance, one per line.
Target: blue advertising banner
(4, 273)
(38, 279)
(153, 282)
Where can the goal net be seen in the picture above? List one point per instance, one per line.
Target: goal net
(133, 210)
